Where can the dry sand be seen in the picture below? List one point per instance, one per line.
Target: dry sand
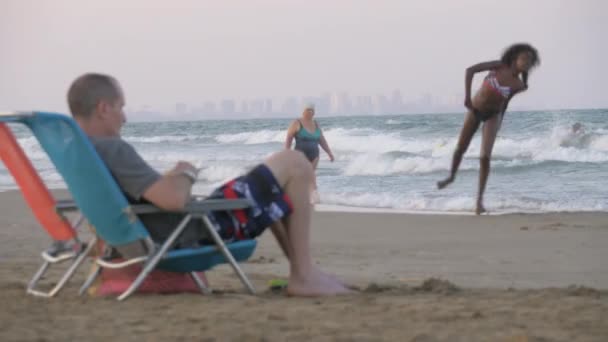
(503, 278)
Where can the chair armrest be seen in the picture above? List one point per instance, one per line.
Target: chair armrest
(65, 205)
(198, 205)
(146, 209)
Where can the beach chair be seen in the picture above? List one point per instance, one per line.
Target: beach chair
(50, 214)
(115, 221)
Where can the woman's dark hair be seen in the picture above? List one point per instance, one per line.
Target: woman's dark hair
(511, 53)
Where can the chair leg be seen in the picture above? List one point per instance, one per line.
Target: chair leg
(149, 267)
(94, 274)
(201, 284)
(83, 253)
(155, 258)
(79, 260)
(235, 266)
(78, 221)
(32, 284)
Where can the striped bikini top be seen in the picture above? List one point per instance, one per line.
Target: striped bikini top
(492, 82)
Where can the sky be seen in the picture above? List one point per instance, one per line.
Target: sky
(164, 52)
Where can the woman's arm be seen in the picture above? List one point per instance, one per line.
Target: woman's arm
(325, 145)
(468, 78)
(291, 132)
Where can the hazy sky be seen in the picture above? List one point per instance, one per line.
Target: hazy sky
(190, 51)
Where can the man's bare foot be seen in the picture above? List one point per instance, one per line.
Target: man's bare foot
(316, 285)
(480, 209)
(442, 184)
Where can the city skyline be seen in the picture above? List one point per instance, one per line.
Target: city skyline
(326, 104)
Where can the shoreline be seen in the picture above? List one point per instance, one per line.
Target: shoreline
(62, 193)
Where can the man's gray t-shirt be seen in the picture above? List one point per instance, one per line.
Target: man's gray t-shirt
(134, 176)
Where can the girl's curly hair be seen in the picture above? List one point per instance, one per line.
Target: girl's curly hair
(511, 53)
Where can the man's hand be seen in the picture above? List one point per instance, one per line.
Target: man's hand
(172, 191)
(180, 167)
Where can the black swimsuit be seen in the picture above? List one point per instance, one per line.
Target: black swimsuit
(308, 143)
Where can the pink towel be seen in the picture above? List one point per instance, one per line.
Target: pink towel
(116, 281)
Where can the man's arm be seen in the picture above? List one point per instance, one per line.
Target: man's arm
(172, 191)
(138, 179)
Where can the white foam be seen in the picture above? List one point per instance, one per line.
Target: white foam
(377, 165)
(32, 148)
(347, 209)
(163, 138)
(415, 202)
(554, 145)
(545, 148)
(600, 143)
(251, 138)
(365, 141)
(220, 173)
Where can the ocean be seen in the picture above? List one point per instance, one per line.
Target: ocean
(393, 162)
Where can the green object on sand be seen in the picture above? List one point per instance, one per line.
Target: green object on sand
(277, 284)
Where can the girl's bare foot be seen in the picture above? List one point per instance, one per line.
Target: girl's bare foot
(480, 209)
(442, 184)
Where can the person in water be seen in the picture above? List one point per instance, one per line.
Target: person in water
(308, 136)
(578, 129)
(577, 137)
(506, 77)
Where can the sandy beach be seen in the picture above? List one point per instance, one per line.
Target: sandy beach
(516, 277)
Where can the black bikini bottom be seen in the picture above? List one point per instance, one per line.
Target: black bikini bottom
(483, 117)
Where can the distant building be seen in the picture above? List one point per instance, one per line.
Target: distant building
(290, 106)
(228, 107)
(209, 108)
(267, 106)
(363, 105)
(244, 107)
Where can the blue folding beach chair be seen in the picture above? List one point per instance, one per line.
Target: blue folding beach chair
(115, 221)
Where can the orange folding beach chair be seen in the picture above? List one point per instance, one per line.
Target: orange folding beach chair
(50, 214)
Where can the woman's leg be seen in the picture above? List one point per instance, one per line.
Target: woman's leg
(314, 194)
(315, 163)
(489, 131)
(466, 134)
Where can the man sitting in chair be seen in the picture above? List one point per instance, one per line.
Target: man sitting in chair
(278, 188)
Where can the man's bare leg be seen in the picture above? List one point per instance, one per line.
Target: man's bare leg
(280, 234)
(294, 174)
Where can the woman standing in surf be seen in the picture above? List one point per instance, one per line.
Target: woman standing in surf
(308, 136)
(506, 77)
